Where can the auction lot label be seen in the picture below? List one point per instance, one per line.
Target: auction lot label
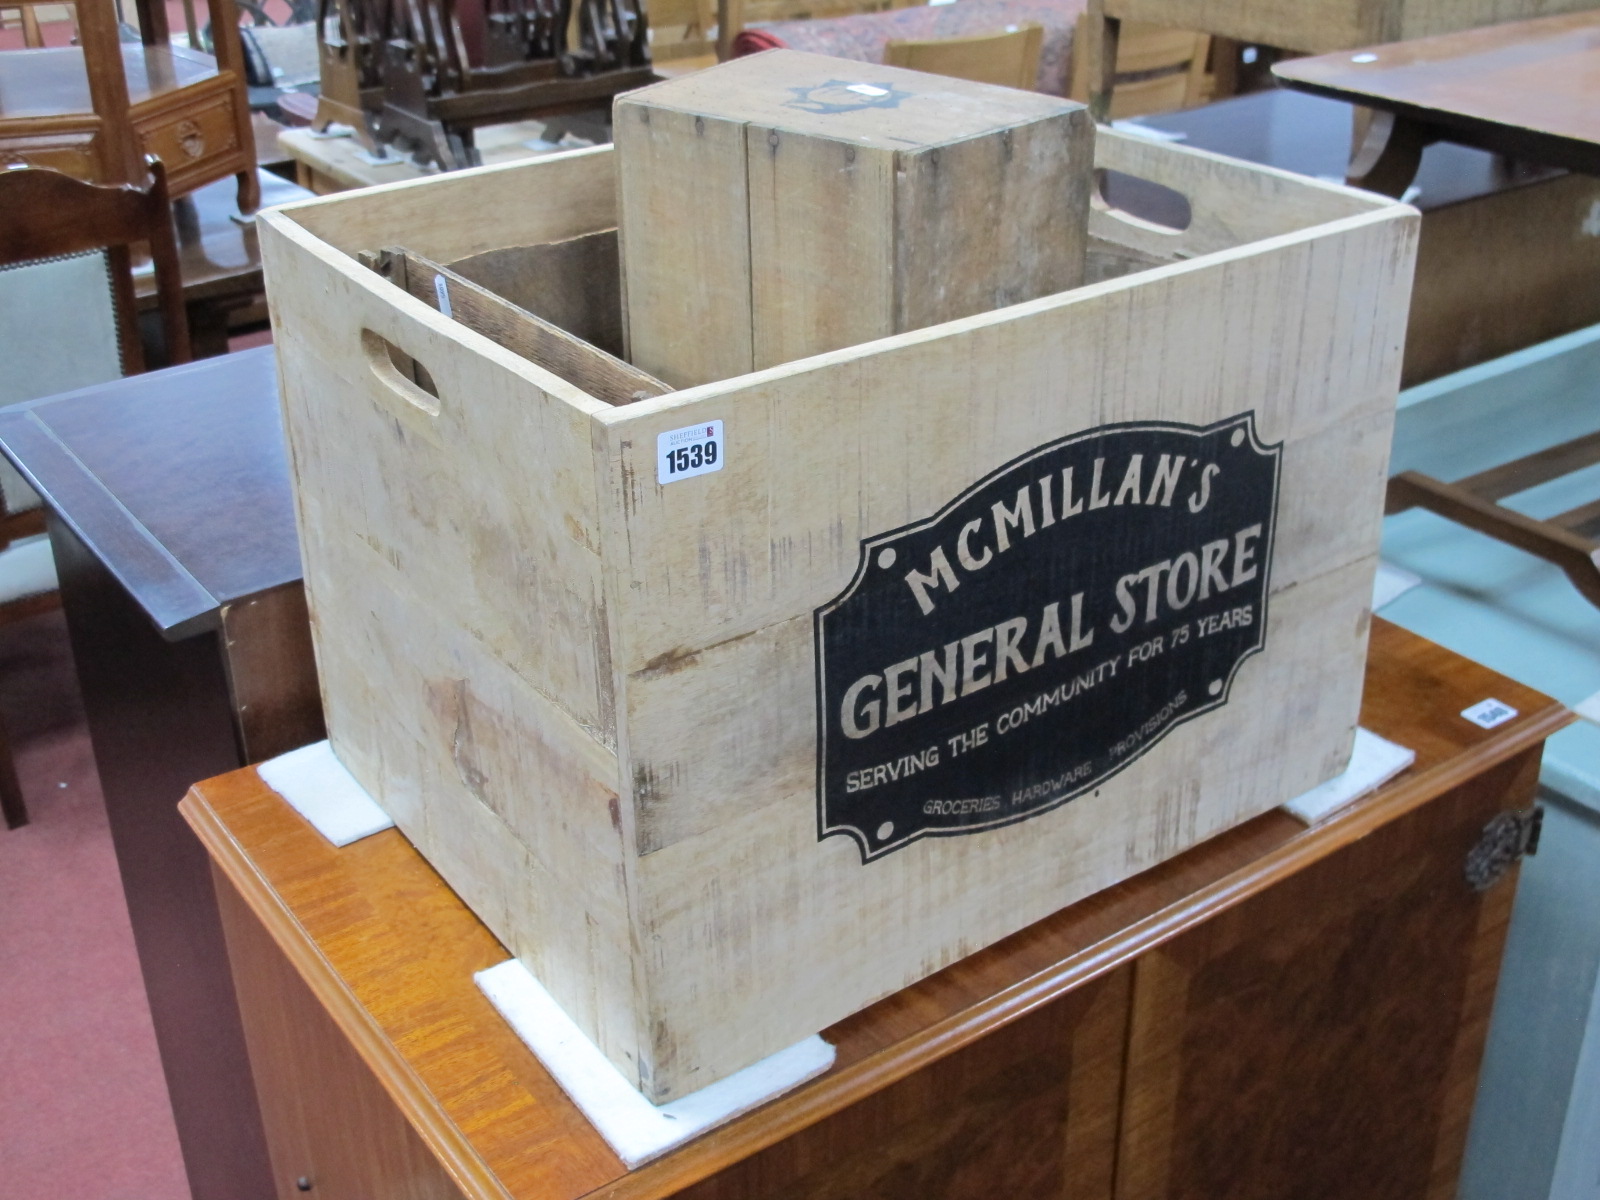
(1042, 630)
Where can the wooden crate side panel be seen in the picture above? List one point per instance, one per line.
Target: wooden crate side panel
(449, 216)
(692, 721)
(992, 220)
(510, 801)
(1306, 333)
(758, 933)
(810, 294)
(684, 207)
(1309, 26)
(486, 507)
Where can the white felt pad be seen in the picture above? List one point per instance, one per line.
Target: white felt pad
(1589, 708)
(636, 1129)
(1390, 583)
(1373, 762)
(318, 787)
(27, 568)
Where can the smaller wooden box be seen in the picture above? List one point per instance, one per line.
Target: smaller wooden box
(788, 204)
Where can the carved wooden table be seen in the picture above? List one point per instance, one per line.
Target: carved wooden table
(1280, 1011)
(172, 524)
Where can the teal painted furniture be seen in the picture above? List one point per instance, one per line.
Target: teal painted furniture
(1536, 1128)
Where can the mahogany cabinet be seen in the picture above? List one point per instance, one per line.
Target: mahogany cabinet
(1280, 1011)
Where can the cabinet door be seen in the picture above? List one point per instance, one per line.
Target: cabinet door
(1322, 1039)
(332, 1131)
(1028, 1110)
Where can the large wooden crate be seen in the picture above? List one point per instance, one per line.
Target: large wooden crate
(626, 718)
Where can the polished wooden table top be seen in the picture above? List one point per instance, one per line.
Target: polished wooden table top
(1528, 89)
(390, 951)
(178, 480)
(54, 81)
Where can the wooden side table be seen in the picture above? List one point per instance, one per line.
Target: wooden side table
(95, 110)
(172, 524)
(1279, 1011)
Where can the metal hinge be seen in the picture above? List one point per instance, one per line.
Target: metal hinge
(1505, 840)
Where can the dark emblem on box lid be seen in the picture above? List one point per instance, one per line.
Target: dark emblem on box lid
(842, 96)
(1042, 630)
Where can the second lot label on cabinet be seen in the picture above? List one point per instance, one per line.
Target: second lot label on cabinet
(1043, 630)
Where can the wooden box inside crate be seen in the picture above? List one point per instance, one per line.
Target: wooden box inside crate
(722, 758)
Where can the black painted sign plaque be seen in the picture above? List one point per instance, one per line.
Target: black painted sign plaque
(1042, 630)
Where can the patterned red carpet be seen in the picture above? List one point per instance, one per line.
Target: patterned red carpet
(83, 1106)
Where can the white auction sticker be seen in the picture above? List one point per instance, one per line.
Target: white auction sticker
(692, 450)
(1489, 713)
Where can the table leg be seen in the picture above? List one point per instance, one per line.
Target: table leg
(1386, 153)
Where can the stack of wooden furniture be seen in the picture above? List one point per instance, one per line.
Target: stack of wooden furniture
(426, 75)
(96, 110)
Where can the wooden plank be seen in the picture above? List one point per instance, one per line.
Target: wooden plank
(1533, 469)
(686, 316)
(1557, 544)
(602, 375)
(809, 293)
(917, 200)
(575, 284)
(484, 210)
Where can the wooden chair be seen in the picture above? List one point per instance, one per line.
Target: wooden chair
(1009, 57)
(1157, 69)
(49, 215)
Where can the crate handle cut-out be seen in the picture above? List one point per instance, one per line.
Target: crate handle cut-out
(400, 373)
(1155, 198)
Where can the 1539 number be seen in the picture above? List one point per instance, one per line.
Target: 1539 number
(693, 450)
